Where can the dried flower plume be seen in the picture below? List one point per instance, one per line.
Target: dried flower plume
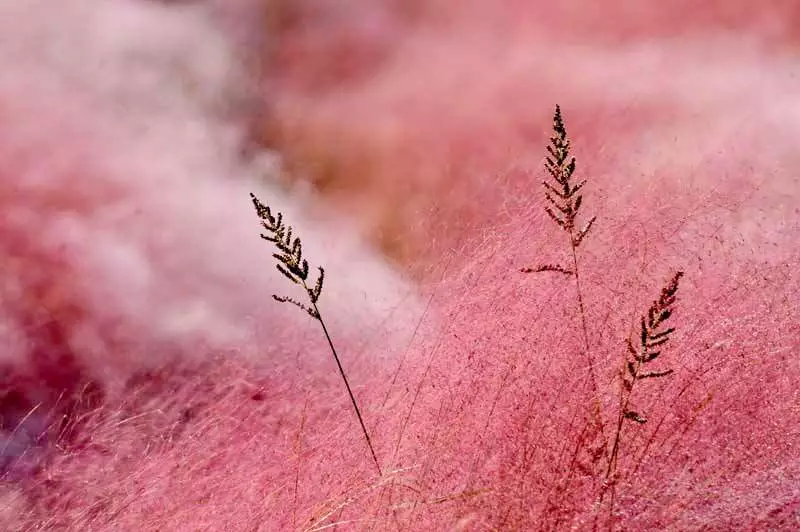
(563, 194)
(563, 206)
(290, 259)
(294, 267)
(651, 342)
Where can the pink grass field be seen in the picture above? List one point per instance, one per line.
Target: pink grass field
(150, 382)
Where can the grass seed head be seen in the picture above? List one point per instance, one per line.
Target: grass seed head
(562, 196)
(291, 263)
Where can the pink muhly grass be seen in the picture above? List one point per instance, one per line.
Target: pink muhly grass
(690, 169)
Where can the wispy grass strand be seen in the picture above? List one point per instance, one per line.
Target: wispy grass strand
(294, 267)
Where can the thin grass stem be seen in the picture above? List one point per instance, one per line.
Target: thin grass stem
(347, 385)
(292, 265)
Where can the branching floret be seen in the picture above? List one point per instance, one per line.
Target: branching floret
(290, 259)
(651, 342)
(563, 194)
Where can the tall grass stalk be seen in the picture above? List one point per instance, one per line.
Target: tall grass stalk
(649, 346)
(564, 204)
(294, 267)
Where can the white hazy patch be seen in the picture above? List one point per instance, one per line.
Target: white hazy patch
(122, 157)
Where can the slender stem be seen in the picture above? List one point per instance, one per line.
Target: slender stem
(347, 385)
(298, 449)
(592, 375)
(585, 328)
(624, 402)
(583, 315)
(611, 507)
(612, 461)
